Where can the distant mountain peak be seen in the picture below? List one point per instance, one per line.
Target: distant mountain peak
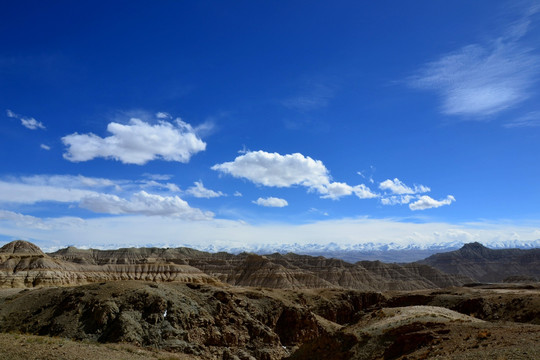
(474, 246)
(21, 247)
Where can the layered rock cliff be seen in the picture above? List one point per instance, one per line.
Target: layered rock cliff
(23, 264)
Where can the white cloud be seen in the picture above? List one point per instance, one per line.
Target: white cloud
(199, 191)
(398, 193)
(57, 188)
(21, 220)
(137, 143)
(144, 204)
(27, 122)
(161, 177)
(363, 192)
(273, 169)
(163, 115)
(237, 194)
(483, 79)
(336, 190)
(82, 190)
(397, 200)
(398, 187)
(425, 202)
(271, 202)
(67, 181)
(11, 192)
(276, 170)
(531, 119)
(45, 147)
(154, 184)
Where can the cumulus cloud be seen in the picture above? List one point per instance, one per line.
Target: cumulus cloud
(137, 143)
(273, 169)
(425, 202)
(27, 122)
(398, 193)
(144, 203)
(199, 191)
(276, 170)
(271, 202)
(45, 147)
(483, 79)
(398, 187)
(336, 190)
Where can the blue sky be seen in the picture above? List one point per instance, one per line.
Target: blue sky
(213, 124)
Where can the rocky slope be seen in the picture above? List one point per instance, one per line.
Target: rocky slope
(23, 264)
(288, 271)
(225, 322)
(487, 265)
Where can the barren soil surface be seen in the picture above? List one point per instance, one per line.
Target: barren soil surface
(33, 347)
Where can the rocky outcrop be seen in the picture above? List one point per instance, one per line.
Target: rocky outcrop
(202, 320)
(487, 265)
(23, 264)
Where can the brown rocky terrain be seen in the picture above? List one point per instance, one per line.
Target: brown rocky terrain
(23, 264)
(224, 322)
(181, 303)
(489, 265)
(288, 271)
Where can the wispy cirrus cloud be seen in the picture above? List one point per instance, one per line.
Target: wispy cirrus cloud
(99, 195)
(27, 122)
(485, 78)
(23, 220)
(317, 96)
(143, 203)
(137, 142)
(531, 119)
(71, 188)
(25, 193)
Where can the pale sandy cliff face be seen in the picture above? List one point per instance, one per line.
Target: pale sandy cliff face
(23, 264)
